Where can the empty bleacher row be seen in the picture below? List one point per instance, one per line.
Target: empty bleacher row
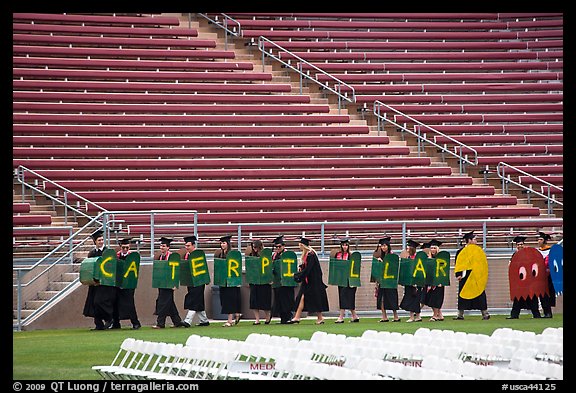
(472, 75)
(156, 116)
(427, 354)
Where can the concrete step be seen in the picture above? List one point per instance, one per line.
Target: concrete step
(47, 295)
(34, 304)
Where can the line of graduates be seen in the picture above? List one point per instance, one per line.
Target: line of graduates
(274, 295)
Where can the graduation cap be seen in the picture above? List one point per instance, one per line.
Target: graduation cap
(384, 240)
(97, 234)
(279, 240)
(257, 244)
(435, 242)
(345, 240)
(166, 241)
(469, 236)
(412, 243)
(304, 241)
(544, 236)
(519, 239)
(425, 245)
(125, 241)
(225, 239)
(192, 239)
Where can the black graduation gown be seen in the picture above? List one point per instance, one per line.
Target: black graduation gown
(312, 286)
(194, 298)
(165, 305)
(411, 299)
(347, 294)
(480, 302)
(125, 300)
(283, 302)
(433, 296)
(260, 294)
(100, 299)
(230, 300)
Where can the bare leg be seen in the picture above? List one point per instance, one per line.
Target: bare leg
(341, 316)
(299, 310)
(257, 316)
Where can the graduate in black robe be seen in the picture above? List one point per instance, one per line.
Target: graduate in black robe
(386, 298)
(480, 302)
(546, 301)
(433, 295)
(165, 305)
(194, 300)
(347, 294)
(283, 300)
(260, 294)
(412, 293)
(100, 299)
(124, 307)
(230, 299)
(312, 295)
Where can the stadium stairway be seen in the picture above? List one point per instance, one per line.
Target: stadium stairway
(56, 141)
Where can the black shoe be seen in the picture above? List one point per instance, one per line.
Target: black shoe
(115, 327)
(355, 320)
(339, 321)
(136, 327)
(203, 324)
(184, 324)
(458, 318)
(267, 322)
(547, 316)
(108, 324)
(536, 316)
(511, 317)
(486, 317)
(158, 327)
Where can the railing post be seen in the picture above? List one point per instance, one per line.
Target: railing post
(19, 301)
(549, 202)
(322, 227)
(71, 244)
(403, 235)
(152, 235)
(225, 33)
(484, 234)
(300, 73)
(239, 237)
(196, 223)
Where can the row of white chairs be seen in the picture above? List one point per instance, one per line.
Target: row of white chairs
(426, 354)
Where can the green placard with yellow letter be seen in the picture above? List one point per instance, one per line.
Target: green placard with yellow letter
(128, 270)
(166, 274)
(386, 273)
(194, 271)
(228, 272)
(259, 269)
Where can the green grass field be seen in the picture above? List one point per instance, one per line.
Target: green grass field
(69, 354)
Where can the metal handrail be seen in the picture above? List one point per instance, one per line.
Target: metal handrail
(225, 18)
(20, 176)
(520, 222)
(261, 44)
(422, 137)
(506, 179)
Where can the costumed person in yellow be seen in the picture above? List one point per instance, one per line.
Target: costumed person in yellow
(527, 276)
(471, 271)
(547, 301)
